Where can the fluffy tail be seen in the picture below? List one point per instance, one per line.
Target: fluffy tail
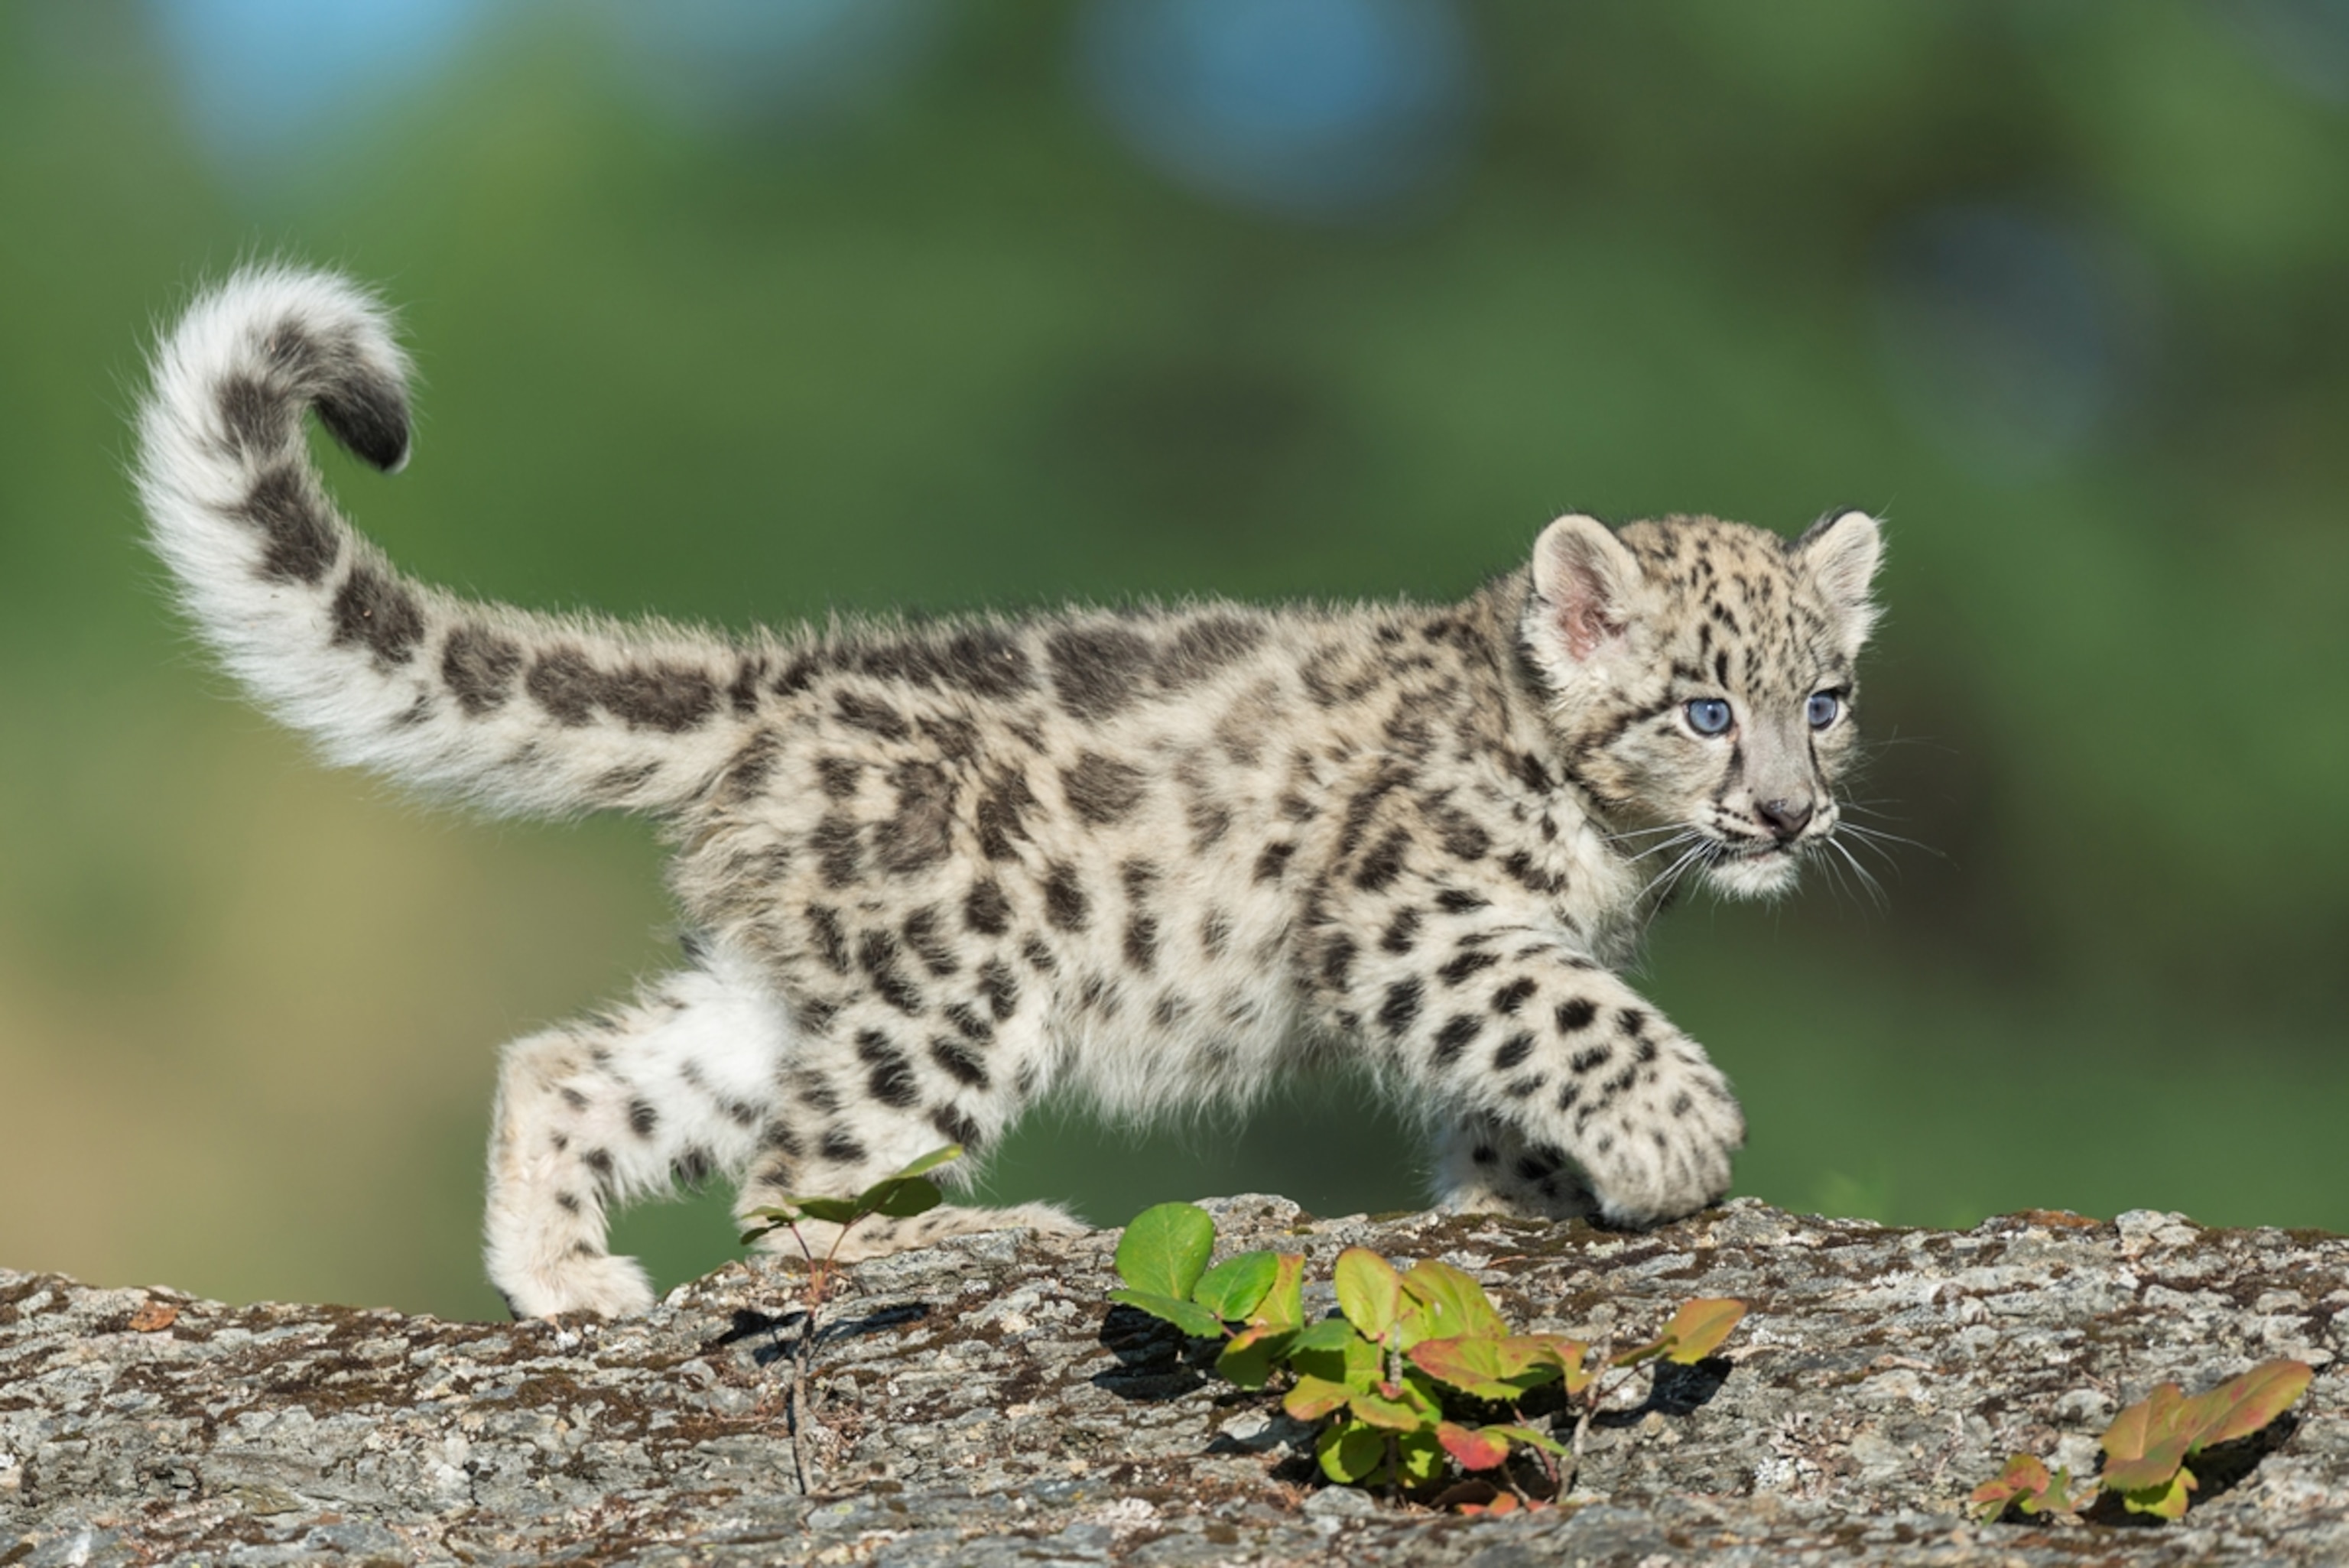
(516, 711)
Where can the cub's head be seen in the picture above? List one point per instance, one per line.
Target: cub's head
(1702, 681)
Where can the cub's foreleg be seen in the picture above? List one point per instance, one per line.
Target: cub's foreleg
(1546, 1058)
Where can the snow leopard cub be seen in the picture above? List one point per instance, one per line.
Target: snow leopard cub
(1151, 857)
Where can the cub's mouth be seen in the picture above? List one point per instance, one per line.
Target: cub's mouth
(1754, 869)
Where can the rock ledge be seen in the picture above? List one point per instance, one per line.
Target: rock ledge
(980, 1403)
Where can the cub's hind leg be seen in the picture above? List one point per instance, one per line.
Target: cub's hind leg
(878, 1089)
(677, 1087)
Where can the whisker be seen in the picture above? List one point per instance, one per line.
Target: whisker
(1833, 874)
(1877, 837)
(1629, 833)
(1875, 888)
(1672, 873)
(1684, 836)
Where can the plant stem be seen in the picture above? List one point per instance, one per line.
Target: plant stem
(801, 1358)
(1581, 1427)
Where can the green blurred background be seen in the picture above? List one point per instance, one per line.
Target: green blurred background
(742, 311)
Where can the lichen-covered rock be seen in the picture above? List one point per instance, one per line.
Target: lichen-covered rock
(982, 1403)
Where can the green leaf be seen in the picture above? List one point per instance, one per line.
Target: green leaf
(2166, 1500)
(1164, 1250)
(1473, 1449)
(1421, 1456)
(1369, 1292)
(1311, 1398)
(1377, 1410)
(2242, 1406)
(1350, 1452)
(1530, 1437)
(1343, 1357)
(1188, 1316)
(1233, 1288)
(1248, 1359)
(1698, 1328)
(1331, 1335)
(1454, 1304)
(899, 1197)
(930, 1162)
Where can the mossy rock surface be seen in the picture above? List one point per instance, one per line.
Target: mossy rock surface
(983, 1402)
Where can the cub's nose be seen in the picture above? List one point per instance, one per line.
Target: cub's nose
(1787, 818)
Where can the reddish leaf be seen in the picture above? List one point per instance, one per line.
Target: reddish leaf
(2242, 1406)
(1313, 1398)
(154, 1315)
(2025, 1484)
(1248, 1360)
(1474, 1450)
(1698, 1328)
(1690, 1338)
(1469, 1495)
(1500, 1368)
(1570, 1357)
(1472, 1364)
(2144, 1446)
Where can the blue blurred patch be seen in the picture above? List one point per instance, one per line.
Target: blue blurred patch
(1308, 109)
(2304, 42)
(259, 76)
(2014, 337)
(774, 60)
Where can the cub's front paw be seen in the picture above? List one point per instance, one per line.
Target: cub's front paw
(1660, 1146)
(608, 1286)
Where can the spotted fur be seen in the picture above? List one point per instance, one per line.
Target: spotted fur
(1150, 857)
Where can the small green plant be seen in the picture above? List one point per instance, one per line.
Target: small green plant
(1394, 1378)
(908, 1192)
(2148, 1445)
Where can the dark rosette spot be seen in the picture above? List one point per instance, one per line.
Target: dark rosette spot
(375, 610)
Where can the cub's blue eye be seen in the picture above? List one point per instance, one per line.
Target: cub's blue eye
(1822, 708)
(1708, 715)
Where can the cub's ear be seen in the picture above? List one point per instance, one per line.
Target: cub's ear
(1587, 583)
(1841, 554)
